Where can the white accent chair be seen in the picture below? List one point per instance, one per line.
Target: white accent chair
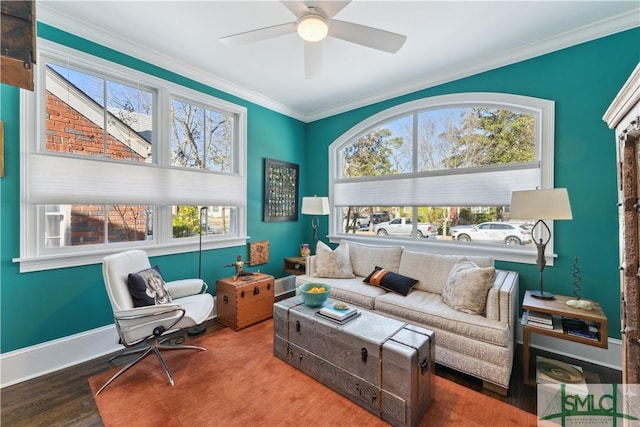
(145, 329)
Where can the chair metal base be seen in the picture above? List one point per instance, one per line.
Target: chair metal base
(138, 348)
(154, 346)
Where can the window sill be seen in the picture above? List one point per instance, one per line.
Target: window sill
(523, 255)
(87, 257)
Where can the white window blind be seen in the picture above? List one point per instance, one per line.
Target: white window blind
(470, 187)
(57, 179)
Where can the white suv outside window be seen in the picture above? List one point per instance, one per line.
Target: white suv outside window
(509, 234)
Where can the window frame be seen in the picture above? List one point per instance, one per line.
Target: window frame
(543, 111)
(34, 256)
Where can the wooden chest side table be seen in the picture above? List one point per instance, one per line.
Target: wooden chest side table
(242, 303)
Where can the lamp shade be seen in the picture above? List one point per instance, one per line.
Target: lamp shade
(315, 205)
(540, 204)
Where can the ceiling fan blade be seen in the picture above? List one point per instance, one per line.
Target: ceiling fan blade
(258, 35)
(330, 8)
(298, 8)
(312, 59)
(366, 36)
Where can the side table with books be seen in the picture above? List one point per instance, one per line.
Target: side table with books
(556, 319)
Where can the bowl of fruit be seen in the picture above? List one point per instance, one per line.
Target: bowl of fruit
(314, 294)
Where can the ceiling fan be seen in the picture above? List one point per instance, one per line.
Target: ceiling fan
(313, 24)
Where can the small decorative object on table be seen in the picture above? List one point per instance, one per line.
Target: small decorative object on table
(578, 303)
(305, 251)
(576, 283)
(581, 303)
(338, 312)
(314, 294)
(239, 265)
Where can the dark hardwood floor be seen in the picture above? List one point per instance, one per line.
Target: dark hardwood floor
(63, 398)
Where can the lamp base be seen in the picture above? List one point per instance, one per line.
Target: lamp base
(542, 295)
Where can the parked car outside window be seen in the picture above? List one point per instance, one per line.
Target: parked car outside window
(378, 217)
(507, 233)
(404, 227)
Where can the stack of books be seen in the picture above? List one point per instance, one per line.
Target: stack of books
(581, 328)
(538, 319)
(589, 334)
(590, 331)
(338, 315)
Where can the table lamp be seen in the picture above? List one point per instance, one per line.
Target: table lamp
(315, 206)
(550, 204)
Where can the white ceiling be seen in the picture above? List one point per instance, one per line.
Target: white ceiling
(446, 40)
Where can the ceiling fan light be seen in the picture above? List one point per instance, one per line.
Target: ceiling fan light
(312, 28)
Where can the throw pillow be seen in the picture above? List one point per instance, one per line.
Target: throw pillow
(390, 281)
(147, 287)
(334, 264)
(467, 287)
(365, 257)
(432, 270)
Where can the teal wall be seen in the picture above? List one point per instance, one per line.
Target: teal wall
(42, 306)
(582, 80)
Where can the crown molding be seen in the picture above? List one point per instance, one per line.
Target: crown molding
(71, 25)
(600, 29)
(603, 28)
(626, 99)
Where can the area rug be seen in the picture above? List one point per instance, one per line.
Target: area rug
(238, 382)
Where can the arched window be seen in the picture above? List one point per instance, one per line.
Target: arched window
(439, 173)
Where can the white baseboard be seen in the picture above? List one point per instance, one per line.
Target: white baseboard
(610, 357)
(31, 362)
(41, 359)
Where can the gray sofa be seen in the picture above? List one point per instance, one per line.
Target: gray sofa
(480, 345)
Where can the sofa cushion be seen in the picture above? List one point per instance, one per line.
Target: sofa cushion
(364, 258)
(428, 309)
(432, 270)
(467, 287)
(333, 263)
(147, 287)
(390, 281)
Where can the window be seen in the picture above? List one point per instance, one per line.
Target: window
(436, 166)
(201, 138)
(117, 159)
